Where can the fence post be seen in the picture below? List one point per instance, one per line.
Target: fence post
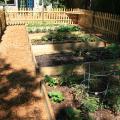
(118, 35)
(42, 14)
(0, 28)
(93, 20)
(2, 22)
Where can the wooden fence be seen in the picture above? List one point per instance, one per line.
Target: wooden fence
(57, 16)
(105, 23)
(2, 22)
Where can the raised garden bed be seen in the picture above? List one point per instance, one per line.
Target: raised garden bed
(60, 33)
(64, 47)
(61, 37)
(73, 99)
(54, 64)
(64, 39)
(77, 57)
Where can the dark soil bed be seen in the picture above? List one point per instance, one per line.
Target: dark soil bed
(57, 59)
(71, 58)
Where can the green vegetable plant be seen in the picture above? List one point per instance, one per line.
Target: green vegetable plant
(56, 96)
(51, 81)
(69, 80)
(67, 28)
(91, 103)
(72, 113)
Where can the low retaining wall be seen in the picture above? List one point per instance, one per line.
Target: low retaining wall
(64, 47)
(43, 90)
(62, 69)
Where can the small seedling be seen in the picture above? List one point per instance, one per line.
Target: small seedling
(56, 96)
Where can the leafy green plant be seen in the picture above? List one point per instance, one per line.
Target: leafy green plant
(112, 99)
(72, 113)
(76, 114)
(69, 28)
(69, 80)
(44, 24)
(51, 81)
(56, 96)
(91, 103)
(116, 106)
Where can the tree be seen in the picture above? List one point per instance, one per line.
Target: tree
(55, 3)
(112, 6)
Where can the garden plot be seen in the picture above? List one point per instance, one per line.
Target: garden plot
(93, 95)
(55, 64)
(81, 72)
(63, 38)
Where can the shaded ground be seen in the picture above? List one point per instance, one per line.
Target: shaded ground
(20, 96)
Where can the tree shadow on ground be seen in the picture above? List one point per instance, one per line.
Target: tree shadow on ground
(17, 89)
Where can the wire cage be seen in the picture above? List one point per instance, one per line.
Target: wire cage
(98, 75)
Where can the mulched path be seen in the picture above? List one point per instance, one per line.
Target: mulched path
(20, 97)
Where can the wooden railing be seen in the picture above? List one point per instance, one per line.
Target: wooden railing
(2, 22)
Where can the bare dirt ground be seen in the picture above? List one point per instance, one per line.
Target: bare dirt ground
(20, 96)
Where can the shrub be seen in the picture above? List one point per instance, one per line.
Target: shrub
(112, 99)
(91, 104)
(51, 81)
(114, 49)
(56, 96)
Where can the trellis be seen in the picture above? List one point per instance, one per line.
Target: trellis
(89, 75)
